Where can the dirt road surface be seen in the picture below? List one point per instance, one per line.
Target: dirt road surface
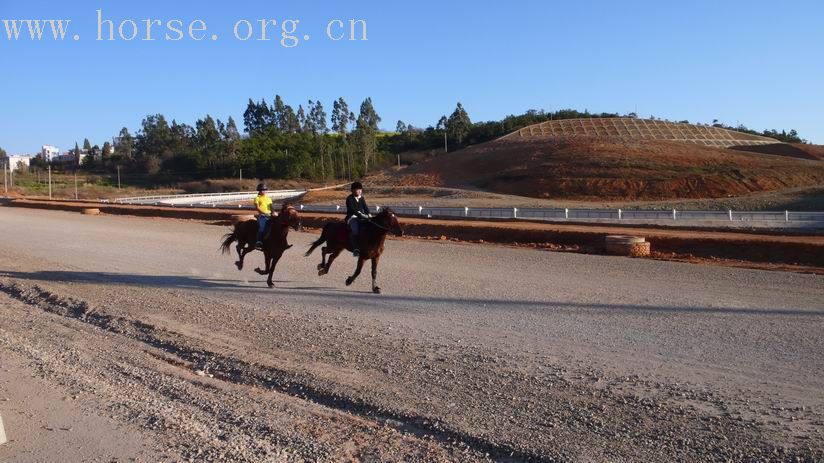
(139, 332)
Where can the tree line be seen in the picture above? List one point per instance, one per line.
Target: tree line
(782, 136)
(280, 141)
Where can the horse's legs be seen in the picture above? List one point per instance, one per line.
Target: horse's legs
(270, 265)
(241, 252)
(323, 252)
(266, 260)
(352, 278)
(375, 288)
(332, 258)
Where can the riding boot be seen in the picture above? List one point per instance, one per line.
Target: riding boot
(353, 243)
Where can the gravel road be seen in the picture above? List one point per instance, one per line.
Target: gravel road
(473, 352)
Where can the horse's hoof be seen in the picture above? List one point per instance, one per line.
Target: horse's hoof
(349, 281)
(260, 272)
(239, 265)
(376, 290)
(322, 272)
(271, 285)
(320, 266)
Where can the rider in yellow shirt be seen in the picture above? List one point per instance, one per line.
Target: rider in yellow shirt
(263, 203)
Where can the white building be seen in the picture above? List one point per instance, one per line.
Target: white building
(49, 152)
(19, 162)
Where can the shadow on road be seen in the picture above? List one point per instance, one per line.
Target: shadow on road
(366, 298)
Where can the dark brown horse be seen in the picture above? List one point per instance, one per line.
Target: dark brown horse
(274, 241)
(370, 240)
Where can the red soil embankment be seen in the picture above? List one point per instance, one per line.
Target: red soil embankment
(588, 169)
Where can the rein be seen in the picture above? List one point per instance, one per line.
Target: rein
(378, 225)
(387, 229)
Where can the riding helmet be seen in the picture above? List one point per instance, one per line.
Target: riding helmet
(262, 187)
(357, 186)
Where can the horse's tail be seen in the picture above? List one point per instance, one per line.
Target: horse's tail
(319, 241)
(228, 239)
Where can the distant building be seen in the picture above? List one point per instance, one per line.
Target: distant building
(19, 162)
(49, 152)
(69, 159)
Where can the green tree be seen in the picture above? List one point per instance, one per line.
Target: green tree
(257, 116)
(365, 135)
(442, 123)
(87, 146)
(319, 128)
(291, 124)
(278, 114)
(37, 162)
(154, 142)
(340, 116)
(124, 144)
(231, 138)
(302, 117)
(459, 125)
(369, 115)
(208, 142)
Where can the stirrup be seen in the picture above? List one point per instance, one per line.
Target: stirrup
(356, 252)
(259, 245)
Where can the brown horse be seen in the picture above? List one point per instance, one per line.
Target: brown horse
(370, 240)
(274, 241)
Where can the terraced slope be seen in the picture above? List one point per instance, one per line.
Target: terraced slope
(638, 129)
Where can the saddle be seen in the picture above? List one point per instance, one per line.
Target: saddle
(342, 233)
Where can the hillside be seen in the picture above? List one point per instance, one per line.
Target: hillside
(584, 168)
(632, 129)
(794, 150)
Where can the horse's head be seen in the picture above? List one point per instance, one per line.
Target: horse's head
(389, 221)
(289, 216)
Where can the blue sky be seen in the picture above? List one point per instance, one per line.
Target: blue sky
(755, 62)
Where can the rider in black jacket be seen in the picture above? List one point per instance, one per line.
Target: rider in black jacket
(356, 210)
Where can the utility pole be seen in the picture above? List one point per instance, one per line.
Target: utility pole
(75, 184)
(445, 144)
(399, 160)
(241, 175)
(118, 177)
(5, 179)
(50, 193)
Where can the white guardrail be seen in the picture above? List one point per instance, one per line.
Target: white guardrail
(208, 199)
(539, 214)
(545, 214)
